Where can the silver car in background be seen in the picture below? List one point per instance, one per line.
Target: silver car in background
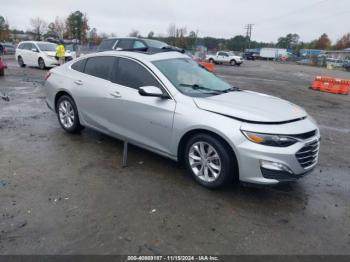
(168, 104)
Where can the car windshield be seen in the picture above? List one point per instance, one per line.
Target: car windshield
(155, 43)
(192, 79)
(47, 46)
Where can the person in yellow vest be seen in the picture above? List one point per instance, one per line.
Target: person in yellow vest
(60, 53)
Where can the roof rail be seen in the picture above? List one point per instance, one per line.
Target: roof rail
(152, 51)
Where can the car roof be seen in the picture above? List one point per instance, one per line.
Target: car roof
(115, 38)
(36, 42)
(143, 55)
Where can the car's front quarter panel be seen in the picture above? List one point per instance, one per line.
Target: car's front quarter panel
(188, 117)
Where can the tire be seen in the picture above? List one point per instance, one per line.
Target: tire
(211, 60)
(2, 72)
(41, 64)
(67, 114)
(215, 160)
(233, 62)
(21, 62)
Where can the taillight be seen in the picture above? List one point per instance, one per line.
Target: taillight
(48, 74)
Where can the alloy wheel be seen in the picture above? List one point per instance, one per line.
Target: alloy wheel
(66, 114)
(205, 161)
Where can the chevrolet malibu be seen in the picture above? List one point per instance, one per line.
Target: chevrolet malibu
(168, 104)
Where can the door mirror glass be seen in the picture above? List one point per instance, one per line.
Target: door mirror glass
(151, 91)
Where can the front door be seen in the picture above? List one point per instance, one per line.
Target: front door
(145, 120)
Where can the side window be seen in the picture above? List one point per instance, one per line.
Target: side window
(107, 44)
(125, 43)
(99, 66)
(221, 54)
(132, 74)
(26, 46)
(79, 65)
(138, 44)
(20, 46)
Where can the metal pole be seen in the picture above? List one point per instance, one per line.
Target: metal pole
(125, 154)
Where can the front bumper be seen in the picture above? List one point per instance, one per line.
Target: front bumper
(52, 61)
(286, 163)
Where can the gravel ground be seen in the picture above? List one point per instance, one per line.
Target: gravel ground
(67, 194)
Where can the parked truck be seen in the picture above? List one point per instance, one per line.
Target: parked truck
(273, 53)
(222, 57)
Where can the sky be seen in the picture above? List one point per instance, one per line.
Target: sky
(219, 18)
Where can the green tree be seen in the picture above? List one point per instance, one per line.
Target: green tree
(4, 29)
(191, 39)
(77, 26)
(237, 43)
(150, 35)
(289, 41)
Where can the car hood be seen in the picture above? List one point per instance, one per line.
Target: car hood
(251, 106)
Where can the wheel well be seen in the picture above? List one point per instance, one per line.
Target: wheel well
(59, 94)
(189, 134)
(233, 60)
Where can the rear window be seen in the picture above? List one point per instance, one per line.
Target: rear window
(107, 44)
(99, 66)
(79, 65)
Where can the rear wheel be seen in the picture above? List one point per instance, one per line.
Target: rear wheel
(21, 62)
(211, 60)
(41, 63)
(67, 114)
(208, 161)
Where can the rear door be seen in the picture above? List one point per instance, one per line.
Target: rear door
(145, 120)
(91, 83)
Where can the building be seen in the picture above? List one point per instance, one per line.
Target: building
(338, 54)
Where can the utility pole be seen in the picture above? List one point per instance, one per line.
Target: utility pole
(249, 28)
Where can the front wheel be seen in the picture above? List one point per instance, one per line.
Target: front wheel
(21, 62)
(41, 63)
(233, 62)
(208, 161)
(67, 114)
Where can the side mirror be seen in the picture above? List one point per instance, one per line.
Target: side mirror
(151, 91)
(35, 50)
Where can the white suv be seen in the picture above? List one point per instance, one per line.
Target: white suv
(41, 54)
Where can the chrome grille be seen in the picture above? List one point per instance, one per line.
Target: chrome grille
(308, 155)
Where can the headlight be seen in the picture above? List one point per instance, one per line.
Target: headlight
(270, 140)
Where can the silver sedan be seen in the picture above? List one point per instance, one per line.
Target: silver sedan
(168, 104)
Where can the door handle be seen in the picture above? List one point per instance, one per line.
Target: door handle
(78, 82)
(115, 94)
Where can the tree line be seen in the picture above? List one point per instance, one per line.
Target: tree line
(76, 26)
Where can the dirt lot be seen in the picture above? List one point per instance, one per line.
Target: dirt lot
(67, 194)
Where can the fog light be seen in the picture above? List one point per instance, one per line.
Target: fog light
(275, 166)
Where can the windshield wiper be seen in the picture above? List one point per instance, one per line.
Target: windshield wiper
(198, 87)
(231, 89)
